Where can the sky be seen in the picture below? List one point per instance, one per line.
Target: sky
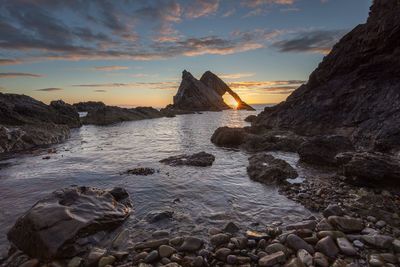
(132, 52)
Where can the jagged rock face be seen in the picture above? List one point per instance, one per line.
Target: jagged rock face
(214, 82)
(355, 91)
(67, 221)
(204, 94)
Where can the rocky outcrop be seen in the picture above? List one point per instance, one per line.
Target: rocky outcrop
(201, 159)
(355, 91)
(26, 123)
(100, 114)
(218, 85)
(269, 170)
(369, 169)
(322, 150)
(229, 137)
(204, 94)
(63, 224)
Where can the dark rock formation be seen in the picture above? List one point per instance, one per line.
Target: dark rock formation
(229, 137)
(273, 141)
(218, 85)
(250, 118)
(321, 150)
(201, 159)
(26, 123)
(140, 171)
(203, 95)
(100, 114)
(369, 169)
(269, 170)
(61, 225)
(355, 91)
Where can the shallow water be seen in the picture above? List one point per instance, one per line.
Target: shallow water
(95, 156)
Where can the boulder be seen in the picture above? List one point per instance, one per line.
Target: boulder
(269, 170)
(322, 150)
(60, 225)
(67, 114)
(201, 159)
(229, 137)
(273, 141)
(250, 118)
(364, 64)
(369, 169)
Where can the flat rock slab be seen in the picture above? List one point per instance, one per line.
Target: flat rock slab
(140, 171)
(201, 159)
(53, 227)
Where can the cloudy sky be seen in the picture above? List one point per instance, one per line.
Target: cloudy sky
(132, 52)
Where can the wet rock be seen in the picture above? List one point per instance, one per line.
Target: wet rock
(345, 246)
(380, 224)
(191, 244)
(222, 253)
(273, 140)
(332, 210)
(151, 257)
(53, 226)
(272, 259)
(219, 239)
(396, 245)
(166, 251)
(229, 137)
(305, 257)
(75, 262)
(198, 261)
(379, 241)
(232, 259)
(152, 244)
(324, 225)
(95, 255)
(141, 171)
(108, 260)
(346, 224)
(201, 159)
(275, 247)
(31, 263)
(156, 216)
(297, 243)
(376, 261)
(231, 228)
(269, 170)
(370, 169)
(310, 225)
(333, 234)
(327, 246)
(320, 260)
(250, 118)
(294, 262)
(176, 241)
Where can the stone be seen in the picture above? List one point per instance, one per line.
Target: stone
(229, 137)
(232, 259)
(324, 225)
(121, 240)
(166, 251)
(198, 261)
(152, 244)
(95, 255)
(375, 261)
(272, 259)
(151, 257)
(176, 241)
(332, 210)
(379, 241)
(269, 170)
(75, 262)
(370, 168)
(380, 224)
(396, 245)
(231, 228)
(219, 239)
(321, 150)
(191, 244)
(108, 260)
(159, 215)
(201, 159)
(346, 224)
(141, 171)
(250, 118)
(294, 262)
(297, 243)
(222, 253)
(53, 226)
(358, 244)
(344, 76)
(327, 246)
(305, 257)
(32, 263)
(345, 246)
(333, 234)
(310, 225)
(320, 260)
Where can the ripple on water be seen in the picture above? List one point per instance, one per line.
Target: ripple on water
(96, 156)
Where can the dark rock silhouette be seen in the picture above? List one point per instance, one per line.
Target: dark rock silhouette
(53, 227)
(100, 114)
(203, 95)
(355, 91)
(201, 159)
(26, 123)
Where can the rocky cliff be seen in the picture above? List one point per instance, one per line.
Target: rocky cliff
(204, 94)
(355, 91)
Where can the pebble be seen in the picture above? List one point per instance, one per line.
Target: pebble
(31, 263)
(198, 261)
(327, 246)
(310, 225)
(379, 241)
(166, 251)
(153, 244)
(380, 224)
(231, 228)
(396, 245)
(277, 247)
(191, 244)
(222, 253)
(346, 247)
(94, 255)
(358, 244)
(219, 239)
(333, 209)
(232, 259)
(347, 224)
(272, 259)
(151, 257)
(305, 257)
(320, 260)
(296, 243)
(108, 260)
(75, 262)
